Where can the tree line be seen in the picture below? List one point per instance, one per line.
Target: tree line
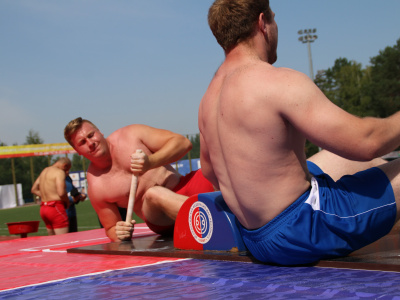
(370, 91)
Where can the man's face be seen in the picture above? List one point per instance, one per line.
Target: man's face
(89, 141)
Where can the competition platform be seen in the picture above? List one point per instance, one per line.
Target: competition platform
(206, 259)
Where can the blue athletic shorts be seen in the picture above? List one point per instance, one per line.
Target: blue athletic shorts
(329, 220)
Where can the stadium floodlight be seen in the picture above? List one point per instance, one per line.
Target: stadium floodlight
(307, 38)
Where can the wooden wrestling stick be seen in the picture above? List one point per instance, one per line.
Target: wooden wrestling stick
(132, 195)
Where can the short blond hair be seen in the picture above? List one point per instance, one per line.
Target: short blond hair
(73, 126)
(64, 161)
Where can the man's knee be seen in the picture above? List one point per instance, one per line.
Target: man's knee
(153, 196)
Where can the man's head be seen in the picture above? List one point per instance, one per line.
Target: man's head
(233, 21)
(74, 126)
(63, 163)
(86, 139)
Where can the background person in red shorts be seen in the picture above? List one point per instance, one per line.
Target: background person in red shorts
(51, 188)
(161, 190)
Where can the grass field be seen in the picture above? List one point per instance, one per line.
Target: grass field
(87, 217)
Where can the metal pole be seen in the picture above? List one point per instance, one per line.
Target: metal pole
(32, 178)
(307, 36)
(14, 180)
(310, 60)
(189, 157)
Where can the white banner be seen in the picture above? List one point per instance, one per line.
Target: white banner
(7, 196)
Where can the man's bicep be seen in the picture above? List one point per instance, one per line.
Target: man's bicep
(319, 120)
(155, 138)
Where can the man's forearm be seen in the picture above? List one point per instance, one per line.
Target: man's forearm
(171, 152)
(111, 234)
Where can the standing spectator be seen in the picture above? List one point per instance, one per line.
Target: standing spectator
(74, 197)
(50, 186)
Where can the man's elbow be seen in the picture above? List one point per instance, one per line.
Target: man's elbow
(186, 142)
(189, 146)
(371, 150)
(110, 232)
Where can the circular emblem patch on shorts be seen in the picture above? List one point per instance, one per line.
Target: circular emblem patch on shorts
(200, 222)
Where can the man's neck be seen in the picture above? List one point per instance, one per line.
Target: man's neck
(248, 50)
(102, 164)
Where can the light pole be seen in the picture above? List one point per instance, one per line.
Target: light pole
(307, 37)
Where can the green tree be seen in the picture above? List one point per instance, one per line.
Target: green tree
(33, 138)
(346, 85)
(5, 168)
(385, 81)
(5, 171)
(29, 168)
(310, 149)
(79, 163)
(24, 166)
(195, 152)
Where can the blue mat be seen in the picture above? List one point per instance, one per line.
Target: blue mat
(208, 279)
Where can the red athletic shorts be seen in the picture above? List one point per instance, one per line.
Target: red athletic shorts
(191, 184)
(54, 214)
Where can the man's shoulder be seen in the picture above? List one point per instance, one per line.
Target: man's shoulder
(51, 173)
(124, 132)
(280, 78)
(52, 170)
(269, 69)
(264, 71)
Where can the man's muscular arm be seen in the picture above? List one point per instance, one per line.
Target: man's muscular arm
(36, 188)
(165, 146)
(330, 127)
(110, 219)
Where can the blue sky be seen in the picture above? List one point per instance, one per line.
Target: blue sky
(118, 62)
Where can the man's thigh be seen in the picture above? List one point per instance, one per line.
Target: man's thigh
(336, 166)
(392, 171)
(161, 205)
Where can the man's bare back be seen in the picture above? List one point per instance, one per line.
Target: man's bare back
(52, 181)
(254, 120)
(50, 185)
(251, 170)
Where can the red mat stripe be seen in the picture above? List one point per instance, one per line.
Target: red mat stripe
(38, 260)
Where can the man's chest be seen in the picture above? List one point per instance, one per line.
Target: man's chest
(110, 187)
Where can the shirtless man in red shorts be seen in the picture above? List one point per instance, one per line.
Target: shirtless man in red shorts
(51, 188)
(161, 190)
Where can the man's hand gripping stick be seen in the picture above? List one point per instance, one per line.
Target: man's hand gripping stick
(132, 195)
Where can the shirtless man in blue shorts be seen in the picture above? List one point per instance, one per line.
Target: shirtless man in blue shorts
(254, 120)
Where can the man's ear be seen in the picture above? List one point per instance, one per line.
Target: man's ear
(262, 23)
